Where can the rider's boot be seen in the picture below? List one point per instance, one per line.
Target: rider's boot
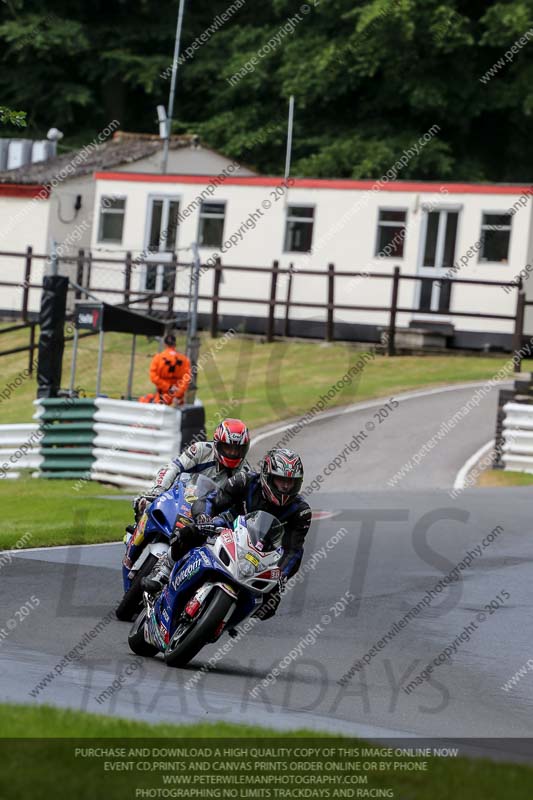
(159, 576)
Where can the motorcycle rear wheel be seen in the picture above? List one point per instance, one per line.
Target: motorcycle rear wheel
(200, 631)
(131, 603)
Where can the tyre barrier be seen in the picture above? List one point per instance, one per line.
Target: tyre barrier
(112, 441)
(517, 448)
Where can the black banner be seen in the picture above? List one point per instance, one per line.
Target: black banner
(105, 317)
(52, 337)
(275, 767)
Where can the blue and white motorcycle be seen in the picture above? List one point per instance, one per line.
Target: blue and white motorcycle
(151, 539)
(211, 589)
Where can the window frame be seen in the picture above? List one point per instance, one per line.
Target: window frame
(389, 224)
(158, 258)
(222, 203)
(504, 213)
(114, 212)
(308, 220)
(149, 218)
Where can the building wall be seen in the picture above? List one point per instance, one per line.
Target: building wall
(73, 230)
(345, 231)
(69, 228)
(527, 275)
(23, 222)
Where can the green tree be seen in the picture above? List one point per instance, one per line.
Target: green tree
(10, 117)
(370, 77)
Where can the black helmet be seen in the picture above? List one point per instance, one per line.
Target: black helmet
(282, 475)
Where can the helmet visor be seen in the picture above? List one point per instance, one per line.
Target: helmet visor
(232, 451)
(284, 485)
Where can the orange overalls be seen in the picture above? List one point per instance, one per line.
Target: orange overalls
(170, 371)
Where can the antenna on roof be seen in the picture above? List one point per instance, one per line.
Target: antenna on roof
(173, 86)
(289, 137)
(289, 150)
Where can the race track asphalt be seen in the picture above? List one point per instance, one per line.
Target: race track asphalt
(386, 546)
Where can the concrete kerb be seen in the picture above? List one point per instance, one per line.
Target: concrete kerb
(461, 479)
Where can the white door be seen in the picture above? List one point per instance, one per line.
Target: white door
(160, 243)
(437, 256)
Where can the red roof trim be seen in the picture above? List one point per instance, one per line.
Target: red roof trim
(321, 183)
(27, 190)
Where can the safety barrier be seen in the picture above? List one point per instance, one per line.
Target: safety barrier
(133, 439)
(19, 449)
(517, 449)
(112, 441)
(67, 436)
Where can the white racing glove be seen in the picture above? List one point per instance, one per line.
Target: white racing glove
(141, 503)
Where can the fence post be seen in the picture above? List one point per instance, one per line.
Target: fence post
(288, 298)
(127, 278)
(272, 306)
(89, 270)
(79, 273)
(217, 277)
(519, 329)
(331, 302)
(391, 350)
(172, 289)
(27, 279)
(32, 348)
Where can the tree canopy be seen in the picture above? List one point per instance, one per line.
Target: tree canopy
(369, 79)
(10, 117)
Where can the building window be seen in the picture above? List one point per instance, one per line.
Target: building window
(495, 237)
(299, 230)
(164, 218)
(211, 229)
(391, 233)
(111, 225)
(161, 236)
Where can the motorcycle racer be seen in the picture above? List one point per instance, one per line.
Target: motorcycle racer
(219, 460)
(274, 489)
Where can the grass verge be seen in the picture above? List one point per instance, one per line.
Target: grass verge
(40, 766)
(239, 376)
(45, 513)
(243, 376)
(499, 477)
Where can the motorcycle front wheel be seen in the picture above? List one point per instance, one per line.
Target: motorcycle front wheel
(131, 603)
(136, 640)
(189, 637)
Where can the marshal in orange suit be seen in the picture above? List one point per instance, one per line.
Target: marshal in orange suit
(170, 371)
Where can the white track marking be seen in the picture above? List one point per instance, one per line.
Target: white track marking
(461, 476)
(58, 547)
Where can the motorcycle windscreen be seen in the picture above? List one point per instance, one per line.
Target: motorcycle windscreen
(264, 530)
(198, 487)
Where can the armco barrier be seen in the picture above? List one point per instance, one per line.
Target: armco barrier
(517, 449)
(19, 449)
(145, 436)
(114, 441)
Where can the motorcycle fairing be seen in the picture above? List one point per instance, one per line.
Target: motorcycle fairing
(188, 573)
